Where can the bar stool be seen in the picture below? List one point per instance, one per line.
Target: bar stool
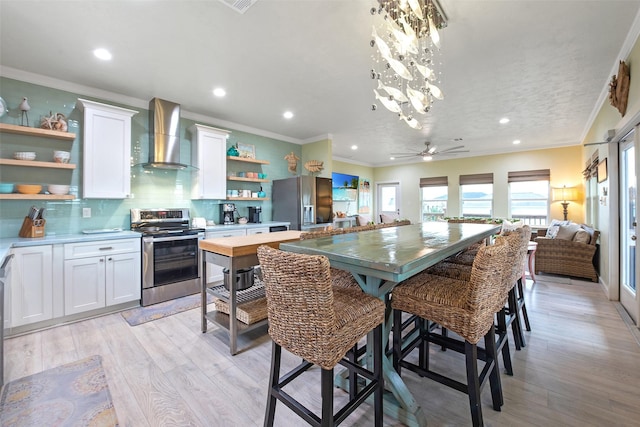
(320, 323)
(465, 307)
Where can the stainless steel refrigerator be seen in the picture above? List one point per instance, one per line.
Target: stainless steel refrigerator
(304, 201)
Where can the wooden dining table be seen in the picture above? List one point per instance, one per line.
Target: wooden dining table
(380, 259)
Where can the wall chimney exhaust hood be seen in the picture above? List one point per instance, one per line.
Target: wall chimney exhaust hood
(164, 135)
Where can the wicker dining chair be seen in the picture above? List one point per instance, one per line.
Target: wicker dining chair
(320, 323)
(515, 309)
(465, 307)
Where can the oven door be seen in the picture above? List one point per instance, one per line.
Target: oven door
(170, 259)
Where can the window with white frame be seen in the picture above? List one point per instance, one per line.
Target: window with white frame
(476, 195)
(434, 193)
(529, 196)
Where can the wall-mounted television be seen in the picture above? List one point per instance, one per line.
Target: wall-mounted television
(341, 180)
(345, 187)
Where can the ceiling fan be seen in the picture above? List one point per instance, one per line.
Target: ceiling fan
(431, 151)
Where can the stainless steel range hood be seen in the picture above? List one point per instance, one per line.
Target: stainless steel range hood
(164, 135)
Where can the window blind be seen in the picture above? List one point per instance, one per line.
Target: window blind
(436, 181)
(478, 178)
(532, 175)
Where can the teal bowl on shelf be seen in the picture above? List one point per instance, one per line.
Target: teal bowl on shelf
(6, 187)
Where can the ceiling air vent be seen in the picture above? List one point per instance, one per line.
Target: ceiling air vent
(240, 6)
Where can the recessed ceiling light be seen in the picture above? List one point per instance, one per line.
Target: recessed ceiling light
(103, 54)
(288, 115)
(354, 147)
(504, 120)
(219, 92)
(516, 142)
(392, 158)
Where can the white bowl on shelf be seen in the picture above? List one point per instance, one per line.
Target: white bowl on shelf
(24, 155)
(58, 189)
(61, 156)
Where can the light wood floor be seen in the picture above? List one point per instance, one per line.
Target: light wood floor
(581, 367)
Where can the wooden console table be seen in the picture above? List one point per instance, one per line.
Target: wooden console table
(234, 253)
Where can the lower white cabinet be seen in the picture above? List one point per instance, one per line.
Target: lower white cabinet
(214, 272)
(101, 274)
(31, 293)
(257, 230)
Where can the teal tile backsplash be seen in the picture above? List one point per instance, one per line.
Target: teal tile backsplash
(150, 189)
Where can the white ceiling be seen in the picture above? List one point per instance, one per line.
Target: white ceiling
(543, 64)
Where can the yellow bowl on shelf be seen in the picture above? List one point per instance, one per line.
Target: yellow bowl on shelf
(28, 188)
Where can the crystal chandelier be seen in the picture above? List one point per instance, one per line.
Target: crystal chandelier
(406, 42)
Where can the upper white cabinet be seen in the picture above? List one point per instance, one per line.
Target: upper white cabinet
(106, 165)
(208, 152)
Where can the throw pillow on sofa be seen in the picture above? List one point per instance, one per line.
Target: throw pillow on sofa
(567, 232)
(582, 236)
(363, 219)
(387, 219)
(552, 231)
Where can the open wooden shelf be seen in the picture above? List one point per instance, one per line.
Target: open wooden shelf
(24, 130)
(248, 160)
(237, 178)
(37, 164)
(17, 196)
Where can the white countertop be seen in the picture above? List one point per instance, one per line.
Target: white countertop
(51, 239)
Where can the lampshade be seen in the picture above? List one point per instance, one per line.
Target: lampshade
(565, 194)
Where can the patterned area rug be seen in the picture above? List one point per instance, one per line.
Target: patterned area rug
(75, 394)
(139, 315)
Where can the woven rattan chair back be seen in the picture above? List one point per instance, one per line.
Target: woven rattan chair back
(302, 311)
(485, 293)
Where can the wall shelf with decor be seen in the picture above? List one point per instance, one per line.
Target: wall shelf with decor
(23, 130)
(248, 160)
(248, 198)
(17, 196)
(258, 180)
(43, 134)
(36, 164)
(237, 178)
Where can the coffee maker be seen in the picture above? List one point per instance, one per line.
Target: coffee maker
(227, 213)
(254, 214)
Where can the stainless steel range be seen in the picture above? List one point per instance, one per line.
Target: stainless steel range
(171, 265)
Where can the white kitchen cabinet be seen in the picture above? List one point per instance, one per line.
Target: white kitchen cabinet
(208, 152)
(101, 274)
(107, 150)
(31, 291)
(214, 272)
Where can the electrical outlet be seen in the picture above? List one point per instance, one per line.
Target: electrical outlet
(86, 212)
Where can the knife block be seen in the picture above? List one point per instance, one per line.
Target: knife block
(29, 229)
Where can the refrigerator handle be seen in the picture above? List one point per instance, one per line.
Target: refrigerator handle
(308, 216)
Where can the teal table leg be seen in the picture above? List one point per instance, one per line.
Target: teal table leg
(398, 400)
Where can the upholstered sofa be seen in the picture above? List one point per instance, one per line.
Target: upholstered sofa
(568, 250)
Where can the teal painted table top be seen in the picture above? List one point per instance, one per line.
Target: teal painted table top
(394, 253)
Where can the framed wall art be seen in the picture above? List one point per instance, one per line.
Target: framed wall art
(246, 150)
(602, 171)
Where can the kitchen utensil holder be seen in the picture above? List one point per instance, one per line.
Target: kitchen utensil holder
(32, 228)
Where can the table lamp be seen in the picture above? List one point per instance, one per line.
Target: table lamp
(565, 195)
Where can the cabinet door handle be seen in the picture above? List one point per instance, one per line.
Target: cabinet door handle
(101, 259)
(109, 259)
(108, 248)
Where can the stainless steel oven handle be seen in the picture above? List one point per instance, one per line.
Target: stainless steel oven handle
(172, 238)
